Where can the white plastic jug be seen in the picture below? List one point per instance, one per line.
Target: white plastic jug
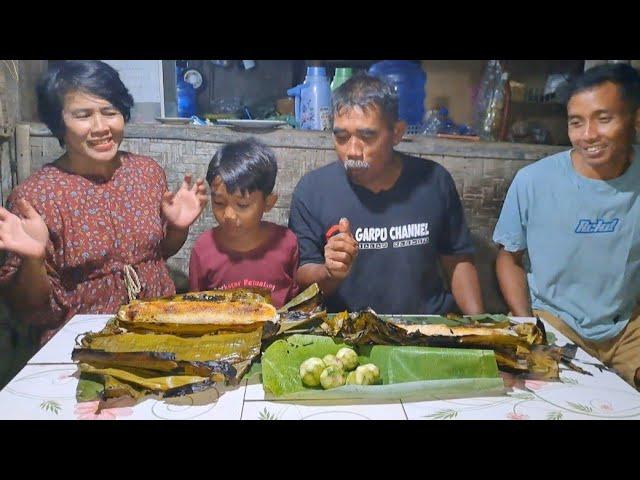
(313, 100)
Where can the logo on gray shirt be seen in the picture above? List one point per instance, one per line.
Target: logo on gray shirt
(597, 226)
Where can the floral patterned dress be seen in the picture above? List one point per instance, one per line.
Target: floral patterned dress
(96, 227)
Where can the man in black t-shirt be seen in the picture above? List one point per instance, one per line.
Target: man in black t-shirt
(395, 217)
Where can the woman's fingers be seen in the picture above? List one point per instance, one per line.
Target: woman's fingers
(186, 182)
(26, 209)
(198, 185)
(168, 197)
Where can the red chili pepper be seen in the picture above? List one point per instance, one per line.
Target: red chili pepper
(332, 231)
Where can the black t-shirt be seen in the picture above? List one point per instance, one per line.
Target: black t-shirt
(400, 232)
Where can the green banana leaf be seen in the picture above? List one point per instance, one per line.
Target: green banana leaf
(408, 373)
(90, 387)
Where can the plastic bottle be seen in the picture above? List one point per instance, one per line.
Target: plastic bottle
(409, 81)
(492, 124)
(438, 121)
(313, 100)
(490, 103)
(506, 110)
(341, 75)
(185, 96)
(432, 123)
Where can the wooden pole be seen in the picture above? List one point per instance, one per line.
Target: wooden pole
(4, 108)
(23, 152)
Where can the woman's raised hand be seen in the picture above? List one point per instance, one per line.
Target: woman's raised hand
(183, 207)
(25, 235)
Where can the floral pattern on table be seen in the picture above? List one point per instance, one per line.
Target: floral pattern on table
(93, 411)
(309, 410)
(540, 400)
(48, 392)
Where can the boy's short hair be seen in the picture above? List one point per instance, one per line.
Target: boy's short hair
(246, 165)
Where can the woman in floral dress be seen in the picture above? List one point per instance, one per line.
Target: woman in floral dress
(91, 230)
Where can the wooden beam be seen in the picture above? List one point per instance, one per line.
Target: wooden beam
(30, 73)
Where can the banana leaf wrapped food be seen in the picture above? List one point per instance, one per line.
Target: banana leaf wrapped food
(164, 352)
(198, 314)
(406, 372)
(136, 365)
(186, 343)
(176, 345)
(518, 348)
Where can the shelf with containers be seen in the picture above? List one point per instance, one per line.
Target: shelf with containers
(453, 84)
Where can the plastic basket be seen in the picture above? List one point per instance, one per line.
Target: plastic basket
(414, 129)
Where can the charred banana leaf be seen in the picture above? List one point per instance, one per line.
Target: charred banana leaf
(306, 310)
(218, 358)
(519, 348)
(186, 330)
(154, 384)
(188, 389)
(260, 295)
(308, 301)
(114, 388)
(155, 361)
(232, 347)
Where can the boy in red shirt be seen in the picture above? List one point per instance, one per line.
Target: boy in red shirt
(243, 250)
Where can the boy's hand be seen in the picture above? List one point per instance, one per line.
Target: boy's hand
(183, 207)
(340, 251)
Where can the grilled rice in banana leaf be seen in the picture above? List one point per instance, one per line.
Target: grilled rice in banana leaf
(519, 348)
(184, 343)
(198, 313)
(237, 349)
(211, 358)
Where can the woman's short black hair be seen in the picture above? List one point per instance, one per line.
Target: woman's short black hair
(89, 76)
(245, 166)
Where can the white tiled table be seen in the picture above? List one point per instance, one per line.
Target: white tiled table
(45, 389)
(48, 392)
(59, 348)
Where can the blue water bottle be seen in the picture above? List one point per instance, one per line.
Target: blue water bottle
(186, 98)
(313, 100)
(409, 81)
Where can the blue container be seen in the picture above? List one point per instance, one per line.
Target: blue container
(409, 81)
(313, 100)
(186, 98)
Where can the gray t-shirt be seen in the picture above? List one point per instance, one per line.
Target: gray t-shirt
(583, 241)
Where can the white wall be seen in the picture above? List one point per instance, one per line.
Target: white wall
(143, 78)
